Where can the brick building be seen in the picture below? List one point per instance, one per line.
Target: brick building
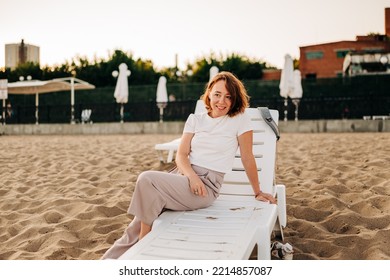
(326, 60)
(16, 54)
(271, 74)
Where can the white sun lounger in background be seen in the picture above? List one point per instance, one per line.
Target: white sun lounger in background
(172, 146)
(234, 224)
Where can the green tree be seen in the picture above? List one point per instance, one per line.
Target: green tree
(99, 71)
(201, 68)
(241, 66)
(23, 70)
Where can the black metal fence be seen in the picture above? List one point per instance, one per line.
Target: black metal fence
(351, 97)
(309, 108)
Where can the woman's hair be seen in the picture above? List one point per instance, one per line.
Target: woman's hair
(236, 89)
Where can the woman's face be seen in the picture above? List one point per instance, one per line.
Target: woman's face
(220, 100)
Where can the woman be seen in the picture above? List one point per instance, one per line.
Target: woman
(206, 152)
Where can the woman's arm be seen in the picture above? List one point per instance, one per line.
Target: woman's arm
(182, 160)
(184, 165)
(245, 141)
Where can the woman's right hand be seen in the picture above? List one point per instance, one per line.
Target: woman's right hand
(197, 186)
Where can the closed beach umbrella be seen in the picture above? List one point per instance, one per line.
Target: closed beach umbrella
(297, 89)
(286, 85)
(162, 95)
(213, 71)
(297, 92)
(121, 93)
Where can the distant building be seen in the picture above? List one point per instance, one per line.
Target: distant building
(366, 63)
(16, 54)
(271, 74)
(326, 60)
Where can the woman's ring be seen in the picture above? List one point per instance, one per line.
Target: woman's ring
(196, 192)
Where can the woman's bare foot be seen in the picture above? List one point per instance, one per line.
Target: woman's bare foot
(145, 229)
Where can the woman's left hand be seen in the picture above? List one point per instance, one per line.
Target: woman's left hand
(266, 197)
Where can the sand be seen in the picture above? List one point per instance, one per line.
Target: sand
(65, 197)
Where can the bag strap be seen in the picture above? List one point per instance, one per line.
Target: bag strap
(265, 113)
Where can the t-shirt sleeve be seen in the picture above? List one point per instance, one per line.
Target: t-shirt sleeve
(189, 126)
(245, 124)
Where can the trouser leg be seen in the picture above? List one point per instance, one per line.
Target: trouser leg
(156, 191)
(129, 238)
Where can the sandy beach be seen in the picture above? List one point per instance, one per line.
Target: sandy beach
(65, 197)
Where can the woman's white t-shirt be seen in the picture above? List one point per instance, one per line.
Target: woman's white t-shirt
(215, 140)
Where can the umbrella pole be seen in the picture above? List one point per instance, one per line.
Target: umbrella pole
(3, 111)
(296, 103)
(161, 114)
(72, 114)
(122, 112)
(36, 108)
(72, 121)
(285, 109)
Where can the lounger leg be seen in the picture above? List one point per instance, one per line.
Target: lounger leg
(170, 156)
(264, 246)
(281, 196)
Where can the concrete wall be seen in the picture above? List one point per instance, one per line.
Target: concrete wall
(335, 126)
(96, 128)
(314, 126)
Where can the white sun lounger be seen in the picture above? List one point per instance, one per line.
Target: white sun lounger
(172, 146)
(232, 226)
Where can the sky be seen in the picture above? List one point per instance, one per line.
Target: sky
(158, 30)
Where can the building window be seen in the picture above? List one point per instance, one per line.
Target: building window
(342, 53)
(314, 55)
(311, 76)
(373, 50)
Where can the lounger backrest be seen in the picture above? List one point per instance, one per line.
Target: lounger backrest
(264, 149)
(199, 107)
